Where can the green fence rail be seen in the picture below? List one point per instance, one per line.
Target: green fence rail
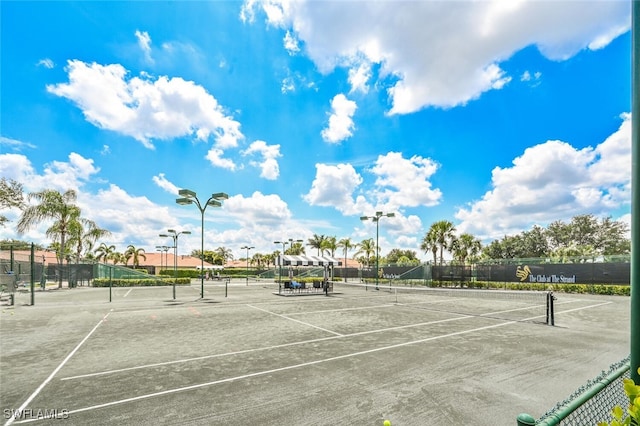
(589, 404)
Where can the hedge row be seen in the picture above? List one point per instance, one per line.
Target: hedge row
(139, 282)
(607, 289)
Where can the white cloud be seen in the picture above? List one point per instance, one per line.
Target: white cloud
(341, 119)
(46, 62)
(144, 41)
(269, 165)
(15, 144)
(291, 43)
(442, 54)
(165, 184)
(215, 158)
(553, 181)
(144, 108)
(359, 76)
(404, 182)
(57, 175)
(258, 210)
(334, 186)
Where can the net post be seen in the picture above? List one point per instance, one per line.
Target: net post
(550, 311)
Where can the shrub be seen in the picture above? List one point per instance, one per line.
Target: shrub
(632, 417)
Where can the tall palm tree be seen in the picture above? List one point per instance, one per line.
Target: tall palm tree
(296, 249)
(330, 246)
(347, 245)
(224, 254)
(83, 233)
(118, 257)
(316, 242)
(51, 205)
(366, 248)
(466, 247)
(444, 231)
(430, 244)
(135, 254)
(104, 252)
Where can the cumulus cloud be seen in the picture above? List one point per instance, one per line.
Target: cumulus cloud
(269, 168)
(441, 54)
(258, 210)
(553, 180)
(341, 119)
(404, 182)
(334, 186)
(146, 108)
(57, 175)
(215, 158)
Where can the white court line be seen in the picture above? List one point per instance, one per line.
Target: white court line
(343, 309)
(302, 342)
(584, 307)
(48, 379)
(264, 348)
(276, 370)
(295, 320)
(127, 293)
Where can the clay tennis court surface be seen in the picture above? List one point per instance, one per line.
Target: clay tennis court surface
(357, 357)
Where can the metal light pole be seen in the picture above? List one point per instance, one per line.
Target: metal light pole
(190, 197)
(163, 251)
(173, 234)
(247, 248)
(290, 241)
(376, 219)
(284, 243)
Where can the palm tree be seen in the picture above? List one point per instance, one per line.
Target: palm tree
(316, 242)
(366, 248)
(429, 244)
(296, 249)
(51, 205)
(224, 254)
(347, 245)
(444, 235)
(330, 246)
(83, 233)
(118, 257)
(135, 254)
(466, 247)
(104, 252)
(257, 259)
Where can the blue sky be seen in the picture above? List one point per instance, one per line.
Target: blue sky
(495, 115)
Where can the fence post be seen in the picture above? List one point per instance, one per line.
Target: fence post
(33, 277)
(635, 194)
(525, 420)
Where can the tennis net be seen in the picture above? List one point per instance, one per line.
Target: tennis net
(511, 305)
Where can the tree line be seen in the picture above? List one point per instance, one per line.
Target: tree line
(73, 236)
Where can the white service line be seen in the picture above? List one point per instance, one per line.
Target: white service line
(48, 379)
(127, 293)
(295, 320)
(276, 370)
(264, 348)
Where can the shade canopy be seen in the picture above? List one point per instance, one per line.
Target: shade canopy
(211, 267)
(291, 260)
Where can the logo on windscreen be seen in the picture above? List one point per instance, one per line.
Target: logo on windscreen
(523, 272)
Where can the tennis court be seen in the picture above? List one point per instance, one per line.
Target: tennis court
(357, 357)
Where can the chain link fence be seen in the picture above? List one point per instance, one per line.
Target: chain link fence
(590, 403)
